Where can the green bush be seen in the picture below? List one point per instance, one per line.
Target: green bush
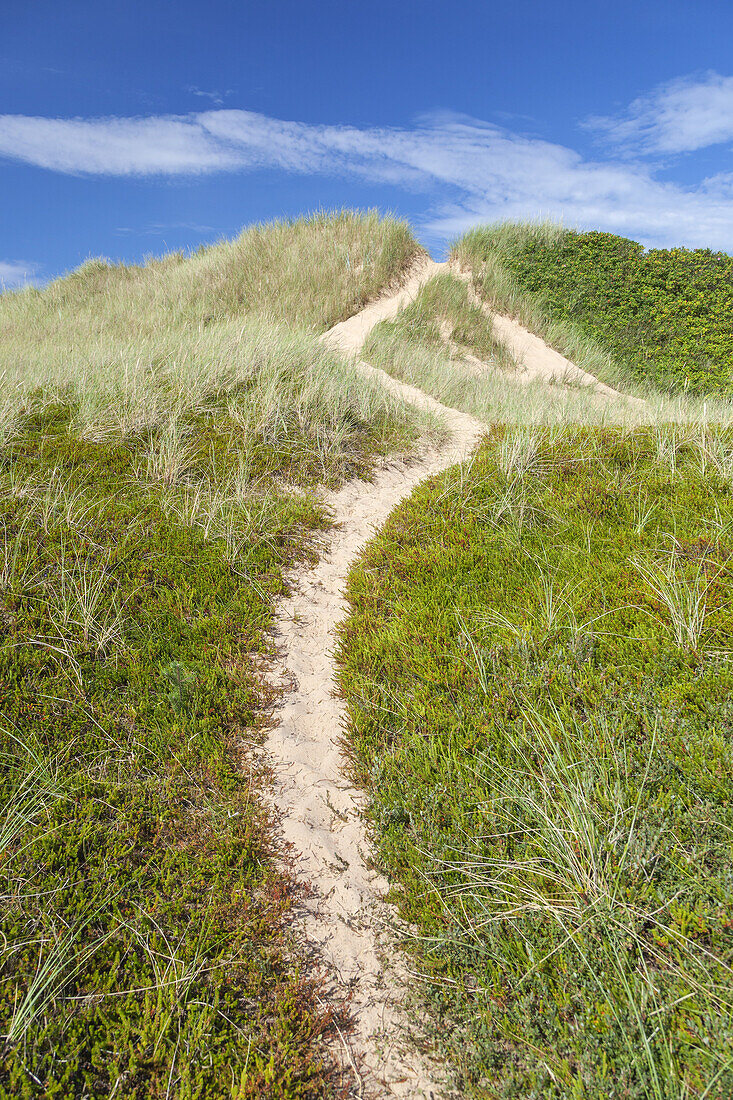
(666, 315)
(538, 671)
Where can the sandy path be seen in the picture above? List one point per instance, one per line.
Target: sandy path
(536, 359)
(345, 917)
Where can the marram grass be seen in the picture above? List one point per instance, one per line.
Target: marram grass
(163, 429)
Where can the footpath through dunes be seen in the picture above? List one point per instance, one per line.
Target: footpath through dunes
(344, 917)
(536, 359)
(345, 920)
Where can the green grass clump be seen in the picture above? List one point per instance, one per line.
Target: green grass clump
(443, 313)
(663, 316)
(538, 668)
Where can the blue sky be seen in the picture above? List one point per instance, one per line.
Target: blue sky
(129, 128)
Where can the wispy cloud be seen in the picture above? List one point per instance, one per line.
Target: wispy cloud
(469, 170)
(217, 98)
(158, 145)
(15, 273)
(681, 116)
(156, 229)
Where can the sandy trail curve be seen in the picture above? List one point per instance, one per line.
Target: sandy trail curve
(344, 919)
(537, 361)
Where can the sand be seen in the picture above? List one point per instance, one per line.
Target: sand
(345, 920)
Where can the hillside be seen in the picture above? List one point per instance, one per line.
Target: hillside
(163, 430)
(222, 790)
(664, 317)
(450, 344)
(537, 664)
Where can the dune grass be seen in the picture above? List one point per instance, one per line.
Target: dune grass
(178, 329)
(310, 272)
(537, 666)
(443, 316)
(444, 344)
(164, 430)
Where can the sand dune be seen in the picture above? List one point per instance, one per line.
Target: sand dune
(345, 920)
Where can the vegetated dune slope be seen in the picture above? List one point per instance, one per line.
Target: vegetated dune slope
(169, 434)
(536, 664)
(537, 667)
(451, 343)
(662, 318)
(163, 431)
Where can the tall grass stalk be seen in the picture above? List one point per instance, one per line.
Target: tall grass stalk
(563, 796)
(681, 594)
(84, 605)
(32, 785)
(54, 969)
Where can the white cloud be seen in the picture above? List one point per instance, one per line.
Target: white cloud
(155, 229)
(679, 117)
(161, 145)
(470, 170)
(14, 273)
(217, 98)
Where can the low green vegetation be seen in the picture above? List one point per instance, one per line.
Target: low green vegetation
(156, 478)
(662, 317)
(142, 922)
(538, 667)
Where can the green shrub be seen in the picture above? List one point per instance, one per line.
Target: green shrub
(665, 315)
